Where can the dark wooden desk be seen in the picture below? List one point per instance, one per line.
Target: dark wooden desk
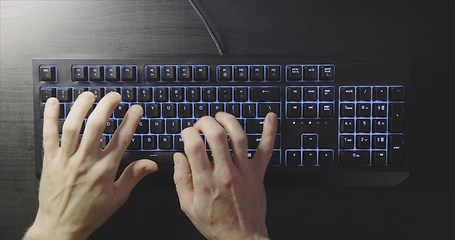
(422, 31)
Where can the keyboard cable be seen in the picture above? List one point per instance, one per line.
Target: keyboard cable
(207, 26)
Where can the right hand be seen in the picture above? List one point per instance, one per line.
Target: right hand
(225, 198)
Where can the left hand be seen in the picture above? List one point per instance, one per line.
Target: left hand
(77, 190)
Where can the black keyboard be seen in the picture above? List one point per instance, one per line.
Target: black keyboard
(341, 121)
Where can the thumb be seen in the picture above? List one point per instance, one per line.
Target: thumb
(131, 176)
(183, 180)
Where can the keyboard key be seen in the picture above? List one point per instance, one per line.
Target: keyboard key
(192, 94)
(395, 150)
(173, 126)
(224, 73)
(294, 94)
(309, 158)
(363, 142)
(379, 110)
(80, 73)
(249, 110)
(355, 158)
(257, 73)
(396, 119)
(327, 73)
(96, 73)
(233, 109)
(129, 94)
(326, 110)
(379, 93)
(363, 125)
(265, 108)
(47, 73)
(240, 94)
(185, 73)
(240, 73)
(310, 94)
(310, 110)
(129, 73)
(157, 126)
(269, 94)
(325, 158)
(65, 94)
(310, 73)
(273, 73)
(149, 142)
(143, 126)
(363, 94)
(293, 158)
(224, 94)
(152, 73)
(201, 73)
(168, 73)
(363, 110)
(396, 93)
(379, 158)
(98, 92)
(201, 109)
(294, 73)
(185, 110)
(136, 143)
(310, 141)
(326, 93)
(294, 110)
(208, 94)
(161, 94)
(347, 110)
(347, 126)
(152, 110)
(78, 91)
(346, 141)
(347, 94)
(169, 110)
(166, 142)
(177, 94)
(144, 94)
(112, 73)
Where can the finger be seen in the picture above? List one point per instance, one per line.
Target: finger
(183, 181)
(239, 141)
(123, 135)
(130, 177)
(262, 156)
(50, 128)
(73, 123)
(196, 153)
(217, 140)
(96, 122)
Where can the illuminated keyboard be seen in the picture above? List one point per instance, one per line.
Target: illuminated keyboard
(340, 121)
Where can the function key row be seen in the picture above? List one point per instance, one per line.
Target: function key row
(226, 73)
(99, 73)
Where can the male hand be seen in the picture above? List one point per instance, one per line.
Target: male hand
(77, 190)
(225, 198)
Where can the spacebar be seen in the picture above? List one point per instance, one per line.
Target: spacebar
(160, 157)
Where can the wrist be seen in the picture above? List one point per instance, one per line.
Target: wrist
(43, 231)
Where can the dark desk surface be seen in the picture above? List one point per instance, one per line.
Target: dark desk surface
(421, 30)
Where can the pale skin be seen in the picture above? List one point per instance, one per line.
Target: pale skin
(224, 198)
